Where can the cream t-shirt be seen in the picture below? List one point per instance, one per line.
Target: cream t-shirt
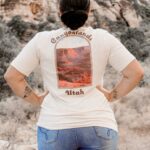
(72, 65)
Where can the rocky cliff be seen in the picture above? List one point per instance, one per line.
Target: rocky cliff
(38, 10)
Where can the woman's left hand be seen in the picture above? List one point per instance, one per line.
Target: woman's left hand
(41, 97)
(106, 92)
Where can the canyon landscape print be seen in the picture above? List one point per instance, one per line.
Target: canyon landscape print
(74, 67)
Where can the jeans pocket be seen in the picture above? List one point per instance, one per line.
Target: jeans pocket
(47, 136)
(105, 133)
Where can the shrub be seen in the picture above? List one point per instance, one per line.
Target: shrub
(9, 47)
(18, 26)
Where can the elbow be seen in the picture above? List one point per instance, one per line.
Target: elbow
(140, 74)
(7, 77)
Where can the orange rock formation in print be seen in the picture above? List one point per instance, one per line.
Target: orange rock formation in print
(74, 67)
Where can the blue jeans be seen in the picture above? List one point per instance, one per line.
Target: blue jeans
(84, 138)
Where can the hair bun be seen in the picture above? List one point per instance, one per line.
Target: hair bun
(74, 18)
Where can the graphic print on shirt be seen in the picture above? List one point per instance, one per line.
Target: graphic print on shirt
(73, 66)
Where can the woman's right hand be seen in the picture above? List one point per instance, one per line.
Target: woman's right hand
(106, 92)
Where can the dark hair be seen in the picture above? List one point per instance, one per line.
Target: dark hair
(74, 13)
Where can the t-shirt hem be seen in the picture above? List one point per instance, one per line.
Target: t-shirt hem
(56, 127)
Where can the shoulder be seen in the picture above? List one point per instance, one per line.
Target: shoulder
(100, 31)
(103, 33)
(46, 34)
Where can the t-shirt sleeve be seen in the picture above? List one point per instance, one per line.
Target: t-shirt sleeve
(119, 56)
(27, 60)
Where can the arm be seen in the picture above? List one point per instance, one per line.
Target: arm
(18, 84)
(132, 75)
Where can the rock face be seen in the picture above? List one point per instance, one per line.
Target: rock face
(4, 144)
(25, 147)
(39, 10)
(30, 10)
(121, 10)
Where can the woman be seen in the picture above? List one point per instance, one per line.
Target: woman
(75, 113)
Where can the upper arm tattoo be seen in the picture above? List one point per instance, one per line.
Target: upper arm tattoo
(27, 91)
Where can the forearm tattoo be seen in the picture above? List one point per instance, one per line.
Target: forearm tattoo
(27, 92)
(115, 94)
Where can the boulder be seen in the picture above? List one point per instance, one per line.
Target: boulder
(32, 11)
(4, 145)
(25, 147)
